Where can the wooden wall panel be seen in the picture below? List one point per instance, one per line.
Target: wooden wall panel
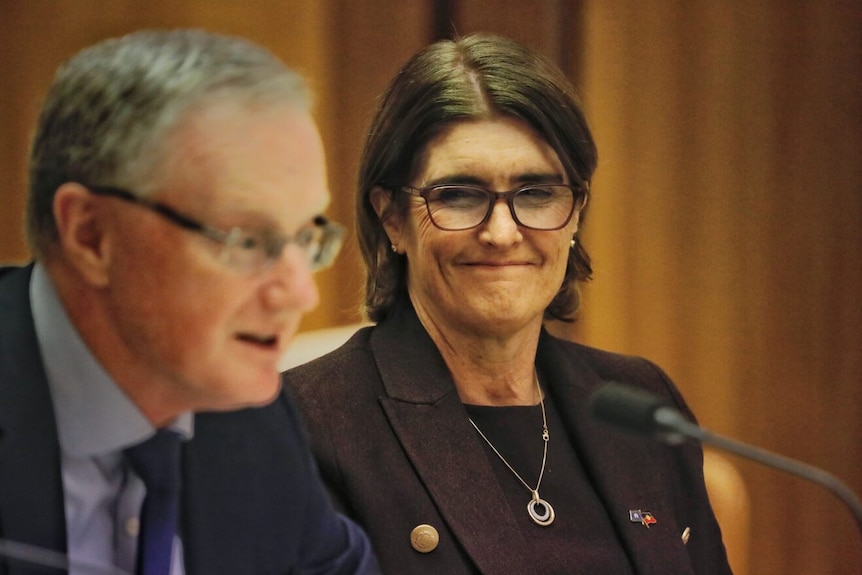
(726, 220)
(368, 41)
(534, 24)
(726, 229)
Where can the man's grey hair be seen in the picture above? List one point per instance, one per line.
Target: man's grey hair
(110, 109)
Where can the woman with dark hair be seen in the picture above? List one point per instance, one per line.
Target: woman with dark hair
(456, 429)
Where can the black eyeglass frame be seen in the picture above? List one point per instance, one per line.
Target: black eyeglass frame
(331, 232)
(579, 200)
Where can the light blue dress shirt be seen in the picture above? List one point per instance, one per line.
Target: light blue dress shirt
(95, 422)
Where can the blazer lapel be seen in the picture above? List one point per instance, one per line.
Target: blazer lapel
(31, 488)
(615, 462)
(429, 420)
(217, 535)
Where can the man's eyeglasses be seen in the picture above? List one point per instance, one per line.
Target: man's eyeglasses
(248, 250)
(456, 207)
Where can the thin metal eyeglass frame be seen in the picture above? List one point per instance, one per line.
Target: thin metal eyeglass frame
(578, 202)
(332, 232)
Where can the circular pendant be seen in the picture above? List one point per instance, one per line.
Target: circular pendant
(540, 511)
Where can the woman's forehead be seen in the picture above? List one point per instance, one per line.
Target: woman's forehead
(489, 149)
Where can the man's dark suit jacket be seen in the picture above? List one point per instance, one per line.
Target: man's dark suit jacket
(395, 447)
(252, 500)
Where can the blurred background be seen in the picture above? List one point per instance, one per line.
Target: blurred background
(725, 222)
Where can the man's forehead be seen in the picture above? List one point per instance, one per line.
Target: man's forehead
(248, 161)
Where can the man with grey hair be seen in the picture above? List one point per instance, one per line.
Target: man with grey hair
(177, 181)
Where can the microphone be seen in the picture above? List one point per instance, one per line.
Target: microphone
(43, 560)
(15, 551)
(640, 412)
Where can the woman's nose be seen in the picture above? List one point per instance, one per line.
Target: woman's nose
(501, 227)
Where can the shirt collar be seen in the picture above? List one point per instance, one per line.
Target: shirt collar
(94, 416)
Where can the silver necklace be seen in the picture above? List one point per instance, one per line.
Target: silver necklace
(539, 510)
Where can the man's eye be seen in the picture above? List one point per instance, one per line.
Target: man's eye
(305, 236)
(249, 242)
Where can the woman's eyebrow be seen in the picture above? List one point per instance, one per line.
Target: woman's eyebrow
(458, 178)
(520, 179)
(540, 178)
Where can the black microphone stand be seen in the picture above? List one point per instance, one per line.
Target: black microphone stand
(675, 428)
(638, 411)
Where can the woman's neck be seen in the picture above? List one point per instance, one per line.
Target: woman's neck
(488, 369)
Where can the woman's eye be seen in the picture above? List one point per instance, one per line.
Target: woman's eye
(536, 193)
(459, 196)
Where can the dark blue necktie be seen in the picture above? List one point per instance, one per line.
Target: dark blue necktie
(157, 463)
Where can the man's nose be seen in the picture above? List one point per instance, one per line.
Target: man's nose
(293, 286)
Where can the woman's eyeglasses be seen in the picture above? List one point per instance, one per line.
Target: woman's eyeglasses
(455, 207)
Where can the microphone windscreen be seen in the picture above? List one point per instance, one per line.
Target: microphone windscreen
(627, 407)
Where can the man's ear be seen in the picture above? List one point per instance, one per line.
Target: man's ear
(381, 200)
(81, 233)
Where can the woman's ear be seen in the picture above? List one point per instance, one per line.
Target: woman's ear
(381, 200)
(575, 223)
(81, 236)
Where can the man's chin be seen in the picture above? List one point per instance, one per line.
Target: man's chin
(263, 391)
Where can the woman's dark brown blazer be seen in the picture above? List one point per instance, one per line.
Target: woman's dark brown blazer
(396, 450)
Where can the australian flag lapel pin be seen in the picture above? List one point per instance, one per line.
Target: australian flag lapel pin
(645, 518)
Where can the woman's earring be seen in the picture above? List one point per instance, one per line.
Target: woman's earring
(573, 242)
(394, 248)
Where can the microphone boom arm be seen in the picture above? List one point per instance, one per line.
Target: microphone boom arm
(678, 427)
